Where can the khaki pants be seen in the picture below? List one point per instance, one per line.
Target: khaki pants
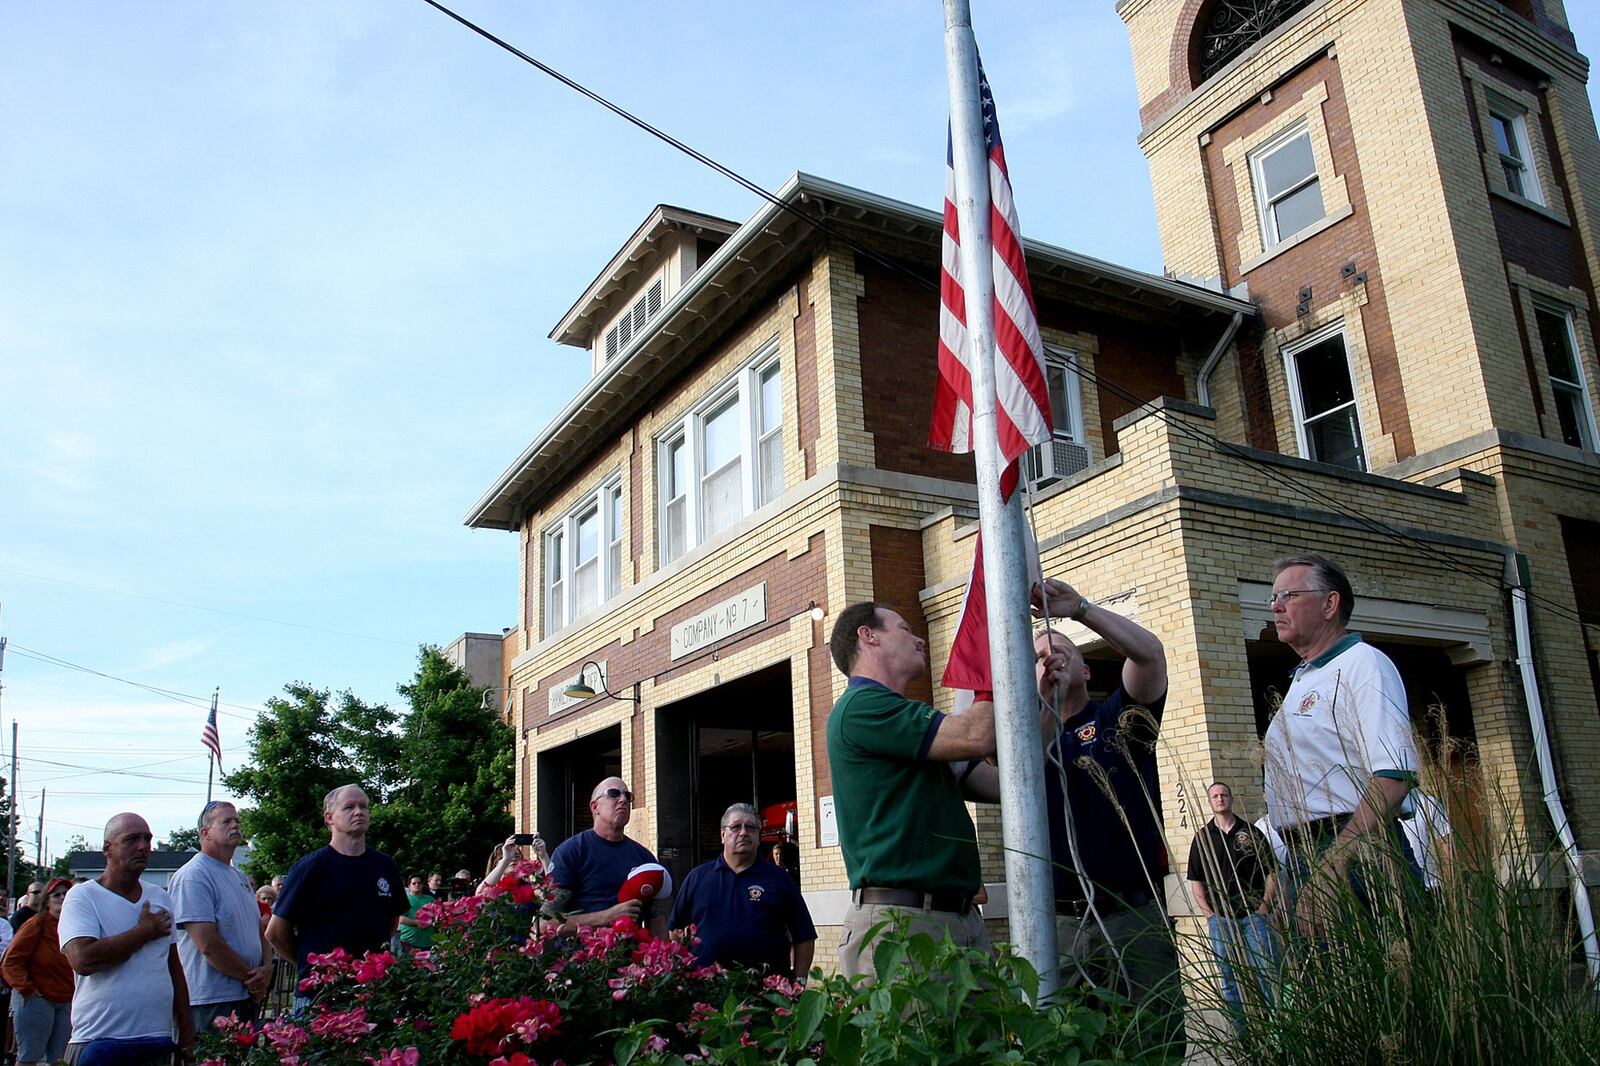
(855, 952)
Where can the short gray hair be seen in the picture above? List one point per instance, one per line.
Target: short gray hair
(740, 808)
(333, 797)
(1329, 576)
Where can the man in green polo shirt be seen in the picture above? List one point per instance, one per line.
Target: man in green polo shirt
(908, 842)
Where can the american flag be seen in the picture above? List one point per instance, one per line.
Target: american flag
(209, 736)
(1022, 395)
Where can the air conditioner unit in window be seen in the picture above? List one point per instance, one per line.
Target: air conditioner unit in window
(1046, 464)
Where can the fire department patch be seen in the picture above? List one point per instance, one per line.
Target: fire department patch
(1308, 703)
(1086, 733)
(755, 892)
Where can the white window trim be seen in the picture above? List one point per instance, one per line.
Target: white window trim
(1270, 237)
(1517, 118)
(1291, 372)
(567, 527)
(1582, 384)
(746, 383)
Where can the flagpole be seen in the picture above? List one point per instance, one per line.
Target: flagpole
(1030, 889)
(211, 756)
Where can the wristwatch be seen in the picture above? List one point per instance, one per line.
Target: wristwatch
(1084, 603)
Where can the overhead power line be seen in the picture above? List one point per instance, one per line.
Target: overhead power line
(210, 610)
(188, 699)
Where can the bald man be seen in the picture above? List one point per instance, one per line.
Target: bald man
(589, 868)
(344, 895)
(116, 933)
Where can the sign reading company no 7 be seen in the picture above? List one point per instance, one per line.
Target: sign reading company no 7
(733, 615)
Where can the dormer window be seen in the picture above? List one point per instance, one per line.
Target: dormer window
(634, 320)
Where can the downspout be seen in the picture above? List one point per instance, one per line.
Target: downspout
(1202, 387)
(1547, 770)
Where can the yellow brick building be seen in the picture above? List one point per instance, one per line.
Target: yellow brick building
(1355, 351)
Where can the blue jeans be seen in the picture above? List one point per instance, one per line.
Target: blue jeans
(1251, 942)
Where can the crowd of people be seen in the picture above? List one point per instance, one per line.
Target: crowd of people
(1340, 767)
(110, 970)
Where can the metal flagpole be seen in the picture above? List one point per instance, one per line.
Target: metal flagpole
(38, 854)
(211, 756)
(1030, 890)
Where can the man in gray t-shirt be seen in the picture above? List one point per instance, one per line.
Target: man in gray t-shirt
(219, 925)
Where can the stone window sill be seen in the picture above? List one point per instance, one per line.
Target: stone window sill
(1304, 235)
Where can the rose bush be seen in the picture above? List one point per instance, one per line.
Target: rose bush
(502, 988)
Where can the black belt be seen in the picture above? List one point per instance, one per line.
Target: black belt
(1105, 903)
(953, 902)
(1309, 834)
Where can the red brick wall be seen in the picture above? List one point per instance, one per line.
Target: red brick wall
(1316, 262)
(897, 582)
(899, 363)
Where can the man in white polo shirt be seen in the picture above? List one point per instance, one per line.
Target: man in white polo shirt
(116, 933)
(1340, 756)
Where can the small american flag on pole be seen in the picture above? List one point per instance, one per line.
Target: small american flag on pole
(1022, 397)
(209, 736)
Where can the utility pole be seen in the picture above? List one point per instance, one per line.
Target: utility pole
(38, 854)
(1030, 887)
(11, 836)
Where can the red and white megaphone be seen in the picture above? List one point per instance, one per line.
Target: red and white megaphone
(646, 882)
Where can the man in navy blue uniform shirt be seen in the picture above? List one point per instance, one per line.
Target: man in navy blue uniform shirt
(1104, 755)
(590, 867)
(746, 911)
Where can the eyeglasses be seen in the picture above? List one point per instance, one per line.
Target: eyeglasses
(618, 794)
(742, 827)
(1284, 596)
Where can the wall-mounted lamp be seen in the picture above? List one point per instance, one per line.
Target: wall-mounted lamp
(581, 690)
(817, 613)
(484, 705)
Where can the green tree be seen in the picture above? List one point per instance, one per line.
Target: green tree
(452, 798)
(25, 871)
(75, 843)
(183, 838)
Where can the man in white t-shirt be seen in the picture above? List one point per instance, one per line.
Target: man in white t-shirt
(224, 956)
(1340, 756)
(116, 933)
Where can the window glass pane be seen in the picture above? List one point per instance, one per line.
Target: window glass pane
(1556, 339)
(771, 467)
(721, 500)
(586, 586)
(677, 472)
(1336, 438)
(721, 434)
(1287, 165)
(771, 399)
(588, 536)
(1504, 138)
(614, 526)
(552, 557)
(1570, 411)
(1324, 377)
(1298, 210)
(676, 535)
(1058, 379)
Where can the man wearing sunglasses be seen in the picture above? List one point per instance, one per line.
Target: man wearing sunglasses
(589, 868)
(1340, 757)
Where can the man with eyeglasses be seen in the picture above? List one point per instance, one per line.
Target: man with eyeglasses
(32, 904)
(745, 910)
(220, 941)
(589, 868)
(1340, 757)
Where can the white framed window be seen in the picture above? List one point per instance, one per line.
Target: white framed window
(1509, 126)
(724, 459)
(583, 557)
(1068, 451)
(1288, 191)
(1559, 341)
(1323, 397)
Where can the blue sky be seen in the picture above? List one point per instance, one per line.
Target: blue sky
(275, 288)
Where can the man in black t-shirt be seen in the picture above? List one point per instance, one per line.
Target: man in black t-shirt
(1233, 874)
(345, 895)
